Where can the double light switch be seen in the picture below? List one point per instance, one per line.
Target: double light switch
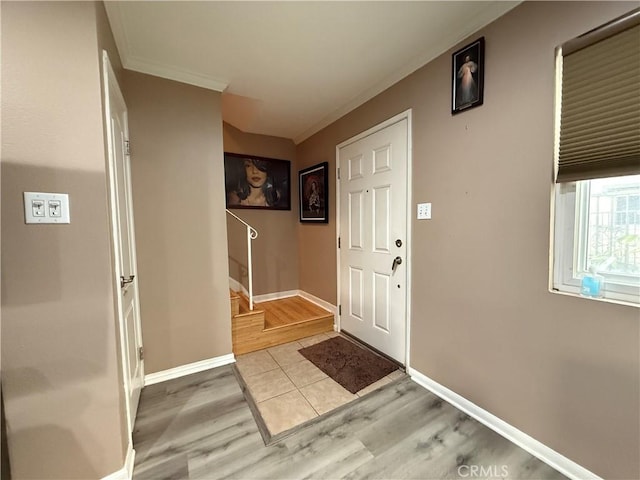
(46, 207)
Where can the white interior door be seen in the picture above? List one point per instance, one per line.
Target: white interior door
(373, 238)
(124, 241)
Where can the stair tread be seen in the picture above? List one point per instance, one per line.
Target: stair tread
(244, 304)
(282, 321)
(248, 313)
(291, 311)
(270, 325)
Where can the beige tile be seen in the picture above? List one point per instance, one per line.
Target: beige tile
(268, 384)
(332, 334)
(285, 411)
(255, 362)
(307, 342)
(374, 386)
(396, 374)
(303, 373)
(286, 354)
(326, 395)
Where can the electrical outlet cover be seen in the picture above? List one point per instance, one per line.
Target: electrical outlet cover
(42, 207)
(424, 211)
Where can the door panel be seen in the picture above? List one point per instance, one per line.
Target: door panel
(381, 218)
(373, 199)
(382, 299)
(356, 308)
(355, 220)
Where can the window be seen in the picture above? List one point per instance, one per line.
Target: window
(597, 187)
(598, 228)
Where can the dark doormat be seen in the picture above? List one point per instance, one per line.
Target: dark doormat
(348, 364)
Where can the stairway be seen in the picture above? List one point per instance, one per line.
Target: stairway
(274, 322)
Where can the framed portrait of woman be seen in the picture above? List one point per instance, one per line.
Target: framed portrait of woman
(468, 77)
(257, 182)
(314, 193)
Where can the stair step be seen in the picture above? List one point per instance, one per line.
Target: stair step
(235, 302)
(277, 322)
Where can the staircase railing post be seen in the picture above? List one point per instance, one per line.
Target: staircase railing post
(250, 267)
(252, 234)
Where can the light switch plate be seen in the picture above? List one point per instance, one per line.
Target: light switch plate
(424, 211)
(42, 207)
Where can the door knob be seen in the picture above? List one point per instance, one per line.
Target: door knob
(396, 261)
(126, 281)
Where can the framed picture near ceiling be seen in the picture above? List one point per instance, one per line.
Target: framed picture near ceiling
(314, 193)
(257, 182)
(467, 89)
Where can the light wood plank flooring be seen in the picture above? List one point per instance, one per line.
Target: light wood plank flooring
(291, 310)
(200, 427)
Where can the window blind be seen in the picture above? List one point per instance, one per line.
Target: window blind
(600, 103)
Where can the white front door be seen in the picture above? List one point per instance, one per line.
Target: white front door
(373, 238)
(124, 241)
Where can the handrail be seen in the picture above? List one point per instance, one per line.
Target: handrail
(252, 234)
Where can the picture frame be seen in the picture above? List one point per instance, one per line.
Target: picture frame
(467, 86)
(257, 182)
(313, 185)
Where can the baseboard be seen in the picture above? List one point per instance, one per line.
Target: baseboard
(534, 447)
(318, 301)
(236, 286)
(126, 472)
(188, 369)
(267, 297)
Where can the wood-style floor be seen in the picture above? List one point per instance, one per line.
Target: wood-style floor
(201, 427)
(289, 311)
(275, 322)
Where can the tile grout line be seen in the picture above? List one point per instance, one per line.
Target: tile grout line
(260, 373)
(307, 400)
(294, 384)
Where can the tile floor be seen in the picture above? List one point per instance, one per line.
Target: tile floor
(289, 390)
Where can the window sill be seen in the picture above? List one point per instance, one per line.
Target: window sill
(615, 298)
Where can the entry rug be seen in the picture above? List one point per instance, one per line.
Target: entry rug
(348, 364)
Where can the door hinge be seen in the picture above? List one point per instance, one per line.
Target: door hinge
(127, 147)
(141, 353)
(339, 309)
(338, 242)
(338, 173)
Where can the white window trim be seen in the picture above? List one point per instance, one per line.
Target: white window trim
(568, 266)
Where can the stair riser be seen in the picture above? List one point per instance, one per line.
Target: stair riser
(247, 338)
(235, 306)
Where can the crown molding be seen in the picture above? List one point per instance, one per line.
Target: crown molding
(137, 64)
(173, 73)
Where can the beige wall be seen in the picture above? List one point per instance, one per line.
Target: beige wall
(564, 370)
(181, 237)
(59, 350)
(275, 251)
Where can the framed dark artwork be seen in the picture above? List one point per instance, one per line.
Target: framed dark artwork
(314, 193)
(467, 89)
(257, 182)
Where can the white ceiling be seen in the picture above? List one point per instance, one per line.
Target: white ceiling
(291, 68)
